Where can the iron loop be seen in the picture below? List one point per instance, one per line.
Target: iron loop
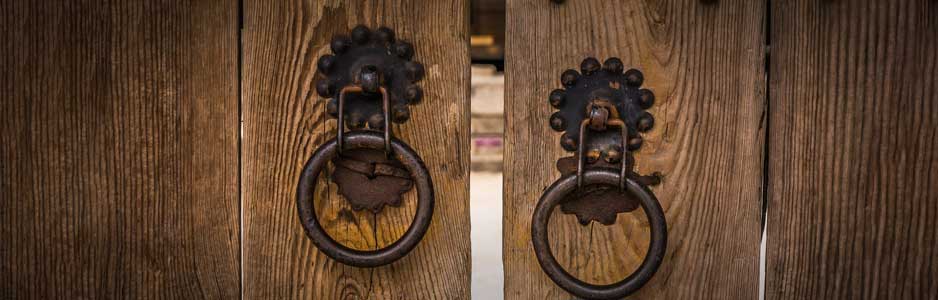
(653, 258)
(386, 109)
(305, 196)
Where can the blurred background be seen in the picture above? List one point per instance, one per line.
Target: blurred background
(488, 94)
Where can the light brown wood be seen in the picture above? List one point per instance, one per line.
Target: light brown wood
(119, 146)
(853, 166)
(705, 65)
(285, 121)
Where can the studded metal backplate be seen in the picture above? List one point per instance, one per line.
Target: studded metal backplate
(378, 51)
(606, 83)
(602, 148)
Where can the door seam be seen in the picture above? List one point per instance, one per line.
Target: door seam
(766, 113)
(240, 88)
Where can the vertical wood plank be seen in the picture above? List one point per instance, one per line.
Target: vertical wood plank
(285, 121)
(119, 146)
(704, 63)
(853, 181)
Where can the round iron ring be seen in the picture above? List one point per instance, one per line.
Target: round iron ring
(305, 194)
(579, 288)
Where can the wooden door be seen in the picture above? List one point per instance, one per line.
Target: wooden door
(853, 150)
(140, 141)
(285, 121)
(119, 146)
(704, 63)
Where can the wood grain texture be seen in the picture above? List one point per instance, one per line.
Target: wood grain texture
(285, 121)
(119, 145)
(705, 65)
(853, 174)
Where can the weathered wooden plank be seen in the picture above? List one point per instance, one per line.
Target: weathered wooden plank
(705, 64)
(285, 121)
(119, 146)
(853, 170)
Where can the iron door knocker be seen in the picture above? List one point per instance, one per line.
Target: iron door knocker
(598, 182)
(369, 81)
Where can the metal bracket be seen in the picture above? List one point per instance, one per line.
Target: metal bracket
(369, 179)
(601, 113)
(369, 81)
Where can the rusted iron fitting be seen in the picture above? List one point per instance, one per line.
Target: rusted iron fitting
(601, 113)
(368, 81)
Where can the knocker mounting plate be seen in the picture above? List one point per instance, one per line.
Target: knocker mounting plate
(371, 79)
(599, 202)
(601, 112)
(370, 60)
(368, 179)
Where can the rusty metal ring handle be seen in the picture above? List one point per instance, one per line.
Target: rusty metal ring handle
(305, 194)
(653, 258)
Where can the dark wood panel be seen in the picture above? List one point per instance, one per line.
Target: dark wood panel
(704, 63)
(853, 166)
(119, 144)
(285, 121)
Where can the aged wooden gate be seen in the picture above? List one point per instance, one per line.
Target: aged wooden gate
(285, 121)
(127, 174)
(823, 112)
(705, 66)
(151, 149)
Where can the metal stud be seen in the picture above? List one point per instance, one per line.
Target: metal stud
(556, 97)
(613, 65)
(376, 121)
(361, 34)
(414, 71)
(403, 50)
(589, 65)
(400, 114)
(569, 77)
(613, 154)
(355, 121)
(385, 34)
(369, 78)
(646, 98)
(645, 122)
(557, 123)
(324, 88)
(413, 94)
(634, 77)
(567, 142)
(325, 63)
(592, 156)
(339, 44)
